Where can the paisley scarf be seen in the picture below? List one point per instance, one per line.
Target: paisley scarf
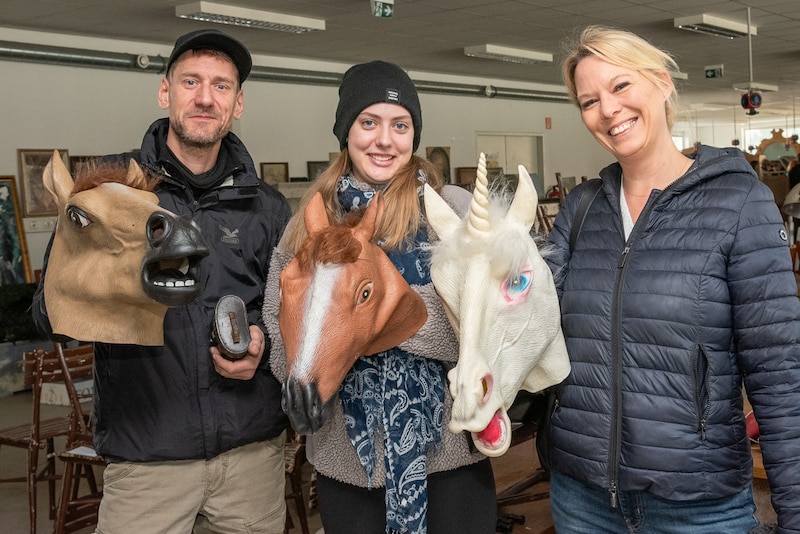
(395, 394)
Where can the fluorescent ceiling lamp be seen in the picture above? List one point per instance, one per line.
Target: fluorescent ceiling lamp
(249, 18)
(756, 86)
(506, 53)
(711, 25)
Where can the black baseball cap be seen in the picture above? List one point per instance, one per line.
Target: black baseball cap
(214, 40)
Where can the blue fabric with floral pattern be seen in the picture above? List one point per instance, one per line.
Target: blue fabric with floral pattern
(396, 394)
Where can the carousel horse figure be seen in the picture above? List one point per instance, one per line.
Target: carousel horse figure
(501, 299)
(341, 298)
(117, 260)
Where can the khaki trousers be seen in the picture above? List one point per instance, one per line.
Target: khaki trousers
(239, 491)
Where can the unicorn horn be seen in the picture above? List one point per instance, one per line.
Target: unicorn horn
(478, 222)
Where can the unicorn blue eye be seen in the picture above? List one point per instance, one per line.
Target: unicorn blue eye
(517, 285)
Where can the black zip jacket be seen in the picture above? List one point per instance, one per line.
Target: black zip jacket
(168, 403)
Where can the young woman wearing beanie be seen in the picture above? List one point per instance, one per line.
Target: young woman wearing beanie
(446, 487)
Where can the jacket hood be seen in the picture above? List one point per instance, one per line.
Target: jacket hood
(710, 163)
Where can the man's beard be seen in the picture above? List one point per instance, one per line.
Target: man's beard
(199, 139)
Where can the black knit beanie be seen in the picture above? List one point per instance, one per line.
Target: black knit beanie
(370, 83)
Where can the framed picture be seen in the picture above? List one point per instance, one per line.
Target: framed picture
(315, 168)
(466, 175)
(275, 173)
(440, 157)
(14, 262)
(36, 200)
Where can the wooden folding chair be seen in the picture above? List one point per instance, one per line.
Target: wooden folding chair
(565, 185)
(39, 367)
(295, 457)
(544, 220)
(77, 511)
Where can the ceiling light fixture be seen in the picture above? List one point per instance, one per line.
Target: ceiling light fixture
(711, 25)
(249, 18)
(506, 53)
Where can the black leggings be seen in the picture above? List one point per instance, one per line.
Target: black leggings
(462, 500)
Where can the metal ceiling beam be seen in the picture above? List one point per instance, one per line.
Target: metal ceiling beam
(77, 57)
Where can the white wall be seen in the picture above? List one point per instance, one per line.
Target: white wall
(91, 111)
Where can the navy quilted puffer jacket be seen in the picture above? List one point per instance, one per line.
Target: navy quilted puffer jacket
(664, 329)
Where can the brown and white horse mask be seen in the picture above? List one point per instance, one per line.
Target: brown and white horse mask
(501, 299)
(118, 260)
(341, 298)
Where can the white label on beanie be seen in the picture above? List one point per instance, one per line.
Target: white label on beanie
(392, 95)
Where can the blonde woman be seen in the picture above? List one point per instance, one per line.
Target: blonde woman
(677, 292)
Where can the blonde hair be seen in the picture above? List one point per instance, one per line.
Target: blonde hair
(623, 49)
(401, 215)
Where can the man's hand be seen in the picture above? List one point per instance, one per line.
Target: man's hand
(245, 368)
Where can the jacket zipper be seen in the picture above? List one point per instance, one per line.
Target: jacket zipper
(701, 401)
(616, 355)
(616, 347)
(616, 390)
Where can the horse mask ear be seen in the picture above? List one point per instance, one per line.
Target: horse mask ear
(57, 180)
(315, 216)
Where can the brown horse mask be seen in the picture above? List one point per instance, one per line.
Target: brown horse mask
(341, 298)
(118, 260)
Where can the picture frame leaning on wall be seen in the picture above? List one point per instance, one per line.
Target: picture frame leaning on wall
(14, 261)
(315, 168)
(36, 200)
(275, 173)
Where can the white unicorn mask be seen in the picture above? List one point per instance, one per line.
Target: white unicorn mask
(502, 302)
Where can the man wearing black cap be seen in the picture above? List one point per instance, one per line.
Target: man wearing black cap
(193, 440)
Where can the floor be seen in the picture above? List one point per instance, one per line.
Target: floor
(517, 464)
(520, 462)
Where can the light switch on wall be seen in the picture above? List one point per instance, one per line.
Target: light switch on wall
(39, 224)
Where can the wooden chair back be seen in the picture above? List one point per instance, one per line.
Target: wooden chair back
(39, 367)
(544, 220)
(565, 185)
(76, 364)
(76, 511)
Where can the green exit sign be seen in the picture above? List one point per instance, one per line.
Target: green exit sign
(714, 71)
(383, 10)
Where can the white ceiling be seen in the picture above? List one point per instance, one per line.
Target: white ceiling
(429, 36)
